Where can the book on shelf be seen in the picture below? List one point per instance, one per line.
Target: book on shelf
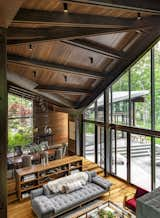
(29, 177)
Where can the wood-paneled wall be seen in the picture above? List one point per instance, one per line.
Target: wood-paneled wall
(56, 120)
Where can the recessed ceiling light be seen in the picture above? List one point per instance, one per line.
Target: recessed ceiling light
(65, 6)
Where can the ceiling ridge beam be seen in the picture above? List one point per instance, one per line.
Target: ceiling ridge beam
(134, 5)
(55, 67)
(70, 19)
(98, 48)
(63, 89)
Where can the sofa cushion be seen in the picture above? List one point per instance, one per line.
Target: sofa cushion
(91, 174)
(131, 204)
(104, 183)
(42, 206)
(57, 185)
(62, 202)
(70, 187)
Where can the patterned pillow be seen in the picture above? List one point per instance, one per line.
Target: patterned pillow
(70, 187)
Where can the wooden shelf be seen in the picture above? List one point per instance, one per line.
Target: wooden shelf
(66, 162)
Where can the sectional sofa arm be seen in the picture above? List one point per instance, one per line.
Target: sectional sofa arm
(36, 193)
(104, 183)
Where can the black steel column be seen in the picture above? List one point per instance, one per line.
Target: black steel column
(153, 171)
(3, 124)
(107, 147)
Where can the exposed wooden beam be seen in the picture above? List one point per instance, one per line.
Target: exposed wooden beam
(69, 19)
(30, 85)
(3, 125)
(67, 90)
(135, 5)
(8, 10)
(54, 67)
(96, 47)
(33, 35)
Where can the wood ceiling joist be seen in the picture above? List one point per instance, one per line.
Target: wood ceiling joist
(67, 90)
(96, 47)
(54, 67)
(135, 5)
(70, 19)
(32, 35)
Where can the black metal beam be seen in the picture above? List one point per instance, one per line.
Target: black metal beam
(70, 19)
(54, 67)
(17, 35)
(69, 90)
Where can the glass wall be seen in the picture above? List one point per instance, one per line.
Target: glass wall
(100, 109)
(133, 122)
(89, 113)
(157, 85)
(141, 92)
(100, 150)
(89, 141)
(141, 161)
(120, 101)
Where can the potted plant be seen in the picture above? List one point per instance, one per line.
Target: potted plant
(106, 214)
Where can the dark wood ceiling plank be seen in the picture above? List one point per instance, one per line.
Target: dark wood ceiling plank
(134, 5)
(69, 19)
(54, 67)
(60, 89)
(96, 47)
(33, 35)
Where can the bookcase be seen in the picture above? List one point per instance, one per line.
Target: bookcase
(36, 176)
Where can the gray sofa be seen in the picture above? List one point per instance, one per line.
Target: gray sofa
(148, 206)
(46, 204)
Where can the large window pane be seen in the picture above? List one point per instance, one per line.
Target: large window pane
(121, 156)
(89, 141)
(141, 161)
(101, 146)
(120, 101)
(157, 85)
(20, 121)
(100, 109)
(141, 92)
(157, 147)
(89, 113)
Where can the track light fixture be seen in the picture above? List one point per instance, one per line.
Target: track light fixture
(139, 16)
(30, 46)
(65, 78)
(65, 6)
(91, 60)
(34, 74)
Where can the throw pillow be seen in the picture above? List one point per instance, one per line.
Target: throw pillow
(70, 187)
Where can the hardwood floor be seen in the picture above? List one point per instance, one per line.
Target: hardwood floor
(118, 191)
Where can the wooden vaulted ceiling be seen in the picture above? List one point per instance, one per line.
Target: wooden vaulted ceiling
(76, 55)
